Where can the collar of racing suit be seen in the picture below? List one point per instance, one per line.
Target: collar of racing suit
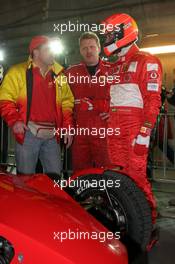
(100, 63)
(92, 69)
(124, 51)
(129, 53)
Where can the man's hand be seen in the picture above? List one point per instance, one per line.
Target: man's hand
(141, 143)
(139, 147)
(68, 140)
(85, 104)
(104, 116)
(19, 127)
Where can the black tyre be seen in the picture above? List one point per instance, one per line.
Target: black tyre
(6, 251)
(121, 208)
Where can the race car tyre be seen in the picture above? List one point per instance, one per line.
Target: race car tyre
(116, 201)
(6, 251)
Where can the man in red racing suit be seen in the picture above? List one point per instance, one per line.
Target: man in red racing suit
(134, 104)
(87, 81)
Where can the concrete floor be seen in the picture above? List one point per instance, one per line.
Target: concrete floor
(164, 251)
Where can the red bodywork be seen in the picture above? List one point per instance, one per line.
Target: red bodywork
(32, 209)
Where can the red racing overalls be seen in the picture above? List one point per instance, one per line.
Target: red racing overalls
(134, 106)
(91, 98)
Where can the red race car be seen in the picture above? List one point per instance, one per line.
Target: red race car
(40, 223)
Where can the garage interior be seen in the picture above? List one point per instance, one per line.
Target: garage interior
(20, 20)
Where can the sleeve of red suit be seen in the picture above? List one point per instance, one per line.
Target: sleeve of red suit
(150, 86)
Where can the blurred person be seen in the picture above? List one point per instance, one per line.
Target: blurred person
(32, 106)
(171, 97)
(165, 130)
(3, 129)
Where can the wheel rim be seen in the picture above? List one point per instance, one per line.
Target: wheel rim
(113, 217)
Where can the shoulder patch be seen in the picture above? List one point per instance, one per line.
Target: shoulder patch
(152, 66)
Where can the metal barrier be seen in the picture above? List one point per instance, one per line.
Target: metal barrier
(3, 141)
(7, 142)
(164, 148)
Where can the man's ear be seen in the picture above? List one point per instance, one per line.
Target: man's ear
(99, 50)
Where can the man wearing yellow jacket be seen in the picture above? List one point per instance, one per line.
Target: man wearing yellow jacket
(34, 101)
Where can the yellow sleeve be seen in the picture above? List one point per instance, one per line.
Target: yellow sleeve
(9, 89)
(67, 103)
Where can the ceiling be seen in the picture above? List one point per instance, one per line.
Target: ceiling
(20, 20)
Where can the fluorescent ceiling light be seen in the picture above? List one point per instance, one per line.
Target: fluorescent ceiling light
(56, 46)
(1, 55)
(160, 49)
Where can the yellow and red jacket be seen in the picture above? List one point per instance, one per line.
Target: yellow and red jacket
(13, 97)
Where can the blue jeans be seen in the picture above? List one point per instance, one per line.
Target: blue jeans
(33, 148)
